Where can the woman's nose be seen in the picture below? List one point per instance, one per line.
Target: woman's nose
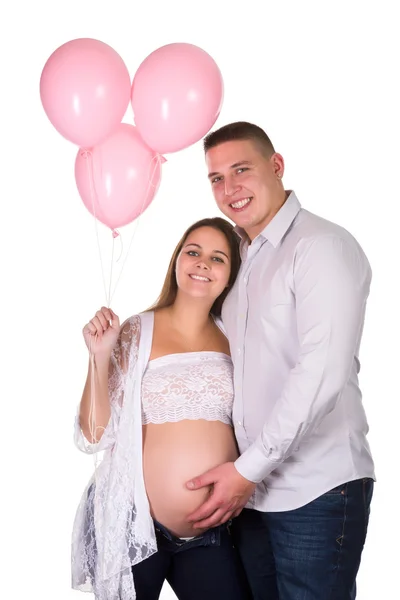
(202, 264)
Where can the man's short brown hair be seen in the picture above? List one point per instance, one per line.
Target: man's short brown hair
(241, 130)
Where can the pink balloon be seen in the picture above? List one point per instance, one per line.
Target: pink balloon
(85, 90)
(177, 95)
(118, 179)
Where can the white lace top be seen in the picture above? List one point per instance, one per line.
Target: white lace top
(194, 385)
(113, 529)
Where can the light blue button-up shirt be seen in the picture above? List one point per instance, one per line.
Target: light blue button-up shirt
(294, 321)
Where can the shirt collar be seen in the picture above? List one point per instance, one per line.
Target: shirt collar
(278, 226)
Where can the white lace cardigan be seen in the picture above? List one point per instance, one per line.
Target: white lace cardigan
(113, 528)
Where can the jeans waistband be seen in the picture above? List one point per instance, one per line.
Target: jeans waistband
(210, 537)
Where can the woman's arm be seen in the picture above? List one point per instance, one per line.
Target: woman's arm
(95, 410)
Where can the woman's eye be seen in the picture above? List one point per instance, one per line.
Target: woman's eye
(218, 259)
(193, 253)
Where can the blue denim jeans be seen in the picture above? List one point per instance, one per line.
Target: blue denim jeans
(206, 567)
(311, 553)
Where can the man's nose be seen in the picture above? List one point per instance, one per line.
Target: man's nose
(230, 186)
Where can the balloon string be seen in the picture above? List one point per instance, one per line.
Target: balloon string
(111, 273)
(122, 248)
(157, 160)
(89, 162)
(92, 409)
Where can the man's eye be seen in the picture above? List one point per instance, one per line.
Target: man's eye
(216, 180)
(241, 170)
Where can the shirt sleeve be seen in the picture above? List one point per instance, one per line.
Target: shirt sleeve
(332, 279)
(122, 359)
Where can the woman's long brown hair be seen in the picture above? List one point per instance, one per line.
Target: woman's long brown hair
(170, 287)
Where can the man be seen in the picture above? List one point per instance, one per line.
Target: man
(294, 320)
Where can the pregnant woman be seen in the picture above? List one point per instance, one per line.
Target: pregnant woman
(158, 399)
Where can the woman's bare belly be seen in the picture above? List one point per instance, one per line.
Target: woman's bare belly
(174, 453)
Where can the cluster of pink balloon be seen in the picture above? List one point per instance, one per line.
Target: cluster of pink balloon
(85, 88)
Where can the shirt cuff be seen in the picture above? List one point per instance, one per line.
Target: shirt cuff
(254, 465)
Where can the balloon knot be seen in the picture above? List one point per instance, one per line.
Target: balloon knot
(115, 233)
(85, 152)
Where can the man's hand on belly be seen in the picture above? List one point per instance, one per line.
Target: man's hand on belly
(229, 495)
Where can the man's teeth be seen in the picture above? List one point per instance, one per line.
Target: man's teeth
(199, 278)
(240, 203)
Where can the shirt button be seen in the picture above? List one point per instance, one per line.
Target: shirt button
(238, 422)
(238, 350)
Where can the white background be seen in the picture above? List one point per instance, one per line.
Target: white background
(321, 77)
